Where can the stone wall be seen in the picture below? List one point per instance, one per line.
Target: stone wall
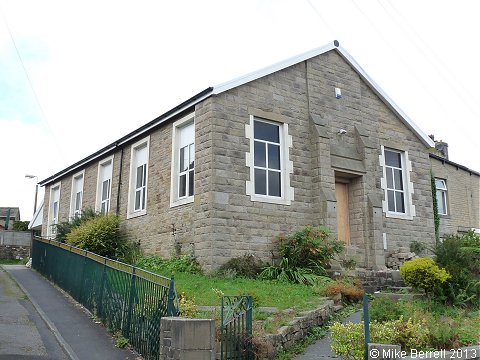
(14, 252)
(374, 280)
(297, 329)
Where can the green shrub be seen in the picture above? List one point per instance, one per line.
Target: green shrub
(304, 255)
(385, 309)
(188, 307)
(348, 340)
(423, 273)
(247, 266)
(311, 248)
(156, 264)
(102, 235)
(460, 255)
(63, 228)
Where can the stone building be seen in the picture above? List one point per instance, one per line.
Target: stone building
(309, 141)
(458, 195)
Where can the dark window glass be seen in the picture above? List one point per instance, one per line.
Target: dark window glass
(389, 172)
(391, 200)
(274, 156)
(274, 185)
(399, 202)
(105, 189)
(260, 182)
(182, 187)
(191, 156)
(393, 159)
(183, 158)
(77, 201)
(138, 195)
(260, 154)
(140, 176)
(266, 131)
(398, 179)
(190, 183)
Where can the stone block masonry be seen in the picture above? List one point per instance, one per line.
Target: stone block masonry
(187, 339)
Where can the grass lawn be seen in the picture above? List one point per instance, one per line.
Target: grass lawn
(13, 261)
(266, 293)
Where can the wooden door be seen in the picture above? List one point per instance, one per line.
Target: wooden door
(343, 218)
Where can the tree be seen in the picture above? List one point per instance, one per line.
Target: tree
(20, 225)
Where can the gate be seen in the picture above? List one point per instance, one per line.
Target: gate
(126, 299)
(236, 338)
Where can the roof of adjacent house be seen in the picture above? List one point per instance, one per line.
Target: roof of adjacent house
(454, 164)
(14, 212)
(188, 104)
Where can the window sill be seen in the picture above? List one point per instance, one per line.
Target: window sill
(181, 202)
(270, 200)
(398, 216)
(136, 214)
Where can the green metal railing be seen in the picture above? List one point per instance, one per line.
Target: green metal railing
(236, 338)
(128, 300)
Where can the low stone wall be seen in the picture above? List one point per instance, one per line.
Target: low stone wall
(14, 252)
(374, 280)
(297, 329)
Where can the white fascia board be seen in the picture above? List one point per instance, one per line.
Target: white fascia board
(271, 69)
(390, 103)
(37, 219)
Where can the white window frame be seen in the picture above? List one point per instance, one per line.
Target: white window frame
(52, 220)
(98, 200)
(407, 185)
(175, 200)
(286, 165)
(131, 211)
(443, 192)
(73, 196)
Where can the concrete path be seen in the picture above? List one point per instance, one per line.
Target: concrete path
(40, 322)
(321, 349)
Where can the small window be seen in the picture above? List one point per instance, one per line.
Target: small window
(441, 186)
(77, 195)
(138, 178)
(183, 161)
(104, 185)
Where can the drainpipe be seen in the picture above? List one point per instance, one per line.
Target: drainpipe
(119, 182)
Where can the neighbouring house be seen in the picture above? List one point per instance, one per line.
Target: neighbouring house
(312, 140)
(7, 216)
(458, 193)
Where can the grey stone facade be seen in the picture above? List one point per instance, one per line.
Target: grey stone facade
(222, 221)
(463, 196)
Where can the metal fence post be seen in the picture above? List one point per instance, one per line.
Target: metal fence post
(171, 311)
(366, 323)
(130, 304)
(100, 293)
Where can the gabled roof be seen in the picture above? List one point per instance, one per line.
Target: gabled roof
(188, 104)
(454, 164)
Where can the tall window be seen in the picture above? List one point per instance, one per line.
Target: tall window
(138, 178)
(77, 195)
(441, 186)
(183, 161)
(395, 184)
(54, 209)
(186, 160)
(104, 185)
(398, 201)
(267, 159)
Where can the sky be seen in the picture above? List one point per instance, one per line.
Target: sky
(76, 76)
